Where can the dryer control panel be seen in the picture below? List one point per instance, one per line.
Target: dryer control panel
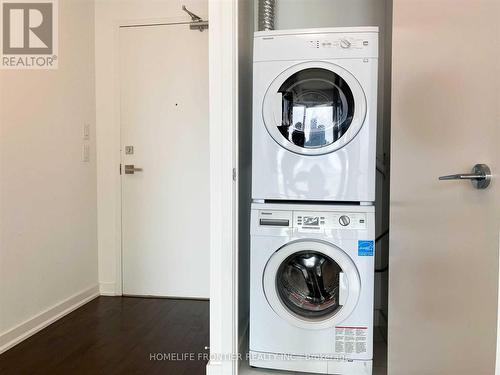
(346, 42)
(316, 44)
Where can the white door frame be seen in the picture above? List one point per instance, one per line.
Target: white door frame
(223, 83)
(223, 72)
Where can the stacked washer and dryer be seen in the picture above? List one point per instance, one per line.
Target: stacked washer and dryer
(313, 191)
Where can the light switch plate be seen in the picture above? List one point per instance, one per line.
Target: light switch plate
(86, 153)
(86, 132)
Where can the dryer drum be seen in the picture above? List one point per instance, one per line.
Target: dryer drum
(308, 284)
(317, 108)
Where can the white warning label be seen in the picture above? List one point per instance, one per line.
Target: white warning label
(349, 340)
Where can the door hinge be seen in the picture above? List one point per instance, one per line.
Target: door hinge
(234, 174)
(120, 169)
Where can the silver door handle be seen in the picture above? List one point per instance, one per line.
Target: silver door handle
(131, 169)
(480, 176)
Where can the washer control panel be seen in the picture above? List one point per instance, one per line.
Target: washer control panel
(319, 221)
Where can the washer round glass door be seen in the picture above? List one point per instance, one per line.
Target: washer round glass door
(314, 108)
(311, 284)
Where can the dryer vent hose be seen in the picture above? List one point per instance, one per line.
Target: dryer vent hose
(266, 14)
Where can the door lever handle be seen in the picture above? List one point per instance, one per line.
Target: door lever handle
(465, 176)
(131, 169)
(480, 176)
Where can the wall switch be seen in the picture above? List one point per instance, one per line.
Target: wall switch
(86, 153)
(86, 132)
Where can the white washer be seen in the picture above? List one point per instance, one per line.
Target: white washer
(311, 288)
(314, 114)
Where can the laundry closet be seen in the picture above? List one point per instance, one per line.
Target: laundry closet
(319, 168)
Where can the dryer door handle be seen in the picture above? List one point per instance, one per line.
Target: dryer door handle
(343, 289)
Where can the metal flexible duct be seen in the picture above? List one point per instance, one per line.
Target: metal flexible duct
(266, 14)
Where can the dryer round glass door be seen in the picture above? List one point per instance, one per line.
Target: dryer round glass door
(314, 108)
(311, 284)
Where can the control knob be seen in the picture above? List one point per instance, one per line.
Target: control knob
(344, 43)
(344, 220)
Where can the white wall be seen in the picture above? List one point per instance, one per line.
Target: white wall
(48, 206)
(108, 15)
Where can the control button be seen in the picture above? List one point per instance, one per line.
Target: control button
(344, 43)
(314, 43)
(344, 220)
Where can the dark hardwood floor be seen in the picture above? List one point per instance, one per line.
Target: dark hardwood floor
(118, 335)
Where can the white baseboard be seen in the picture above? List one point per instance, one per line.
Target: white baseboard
(108, 289)
(221, 368)
(214, 368)
(31, 326)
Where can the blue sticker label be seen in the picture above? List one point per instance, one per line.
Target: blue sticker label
(365, 248)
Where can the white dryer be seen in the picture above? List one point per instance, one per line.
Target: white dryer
(314, 114)
(311, 296)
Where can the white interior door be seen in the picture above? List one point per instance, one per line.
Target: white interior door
(444, 239)
(164, 117)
